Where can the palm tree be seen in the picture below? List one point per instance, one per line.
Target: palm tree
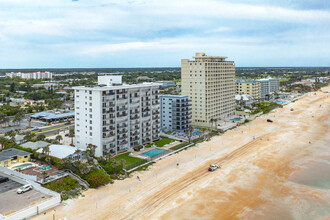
(11, 134)
(4, 119)
(189, 132)
(46, 152)
(19, 117)
(59, 138)
(3, 141)
(41, 137)
(44, 174)
(71, 135)
(90, 151)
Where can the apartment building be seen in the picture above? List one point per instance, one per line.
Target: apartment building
(209, 82)
(175, 113)
(250, 87)
(268, 86)
(116, 117)
(32, 75)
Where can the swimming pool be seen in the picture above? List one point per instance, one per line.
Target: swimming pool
(281, 102)
(25, 165)
(235, 119)
(154, 152)
(197, 133)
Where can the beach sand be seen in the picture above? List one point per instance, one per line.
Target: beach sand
(283, 178)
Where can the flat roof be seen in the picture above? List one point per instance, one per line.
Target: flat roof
(53, 114)
(61, 151)
(173, 96)
(210, 57)
(123, 86)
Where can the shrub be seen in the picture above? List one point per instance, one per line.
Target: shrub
(96, 178)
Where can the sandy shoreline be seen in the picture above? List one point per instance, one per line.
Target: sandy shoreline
(257, 180)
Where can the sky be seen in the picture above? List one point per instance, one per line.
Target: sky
(159, 33)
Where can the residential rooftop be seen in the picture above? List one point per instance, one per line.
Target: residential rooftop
(8, 154)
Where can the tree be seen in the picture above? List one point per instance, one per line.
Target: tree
(189, 132)
(4, 119)
(41, 137)
(29, 136)
(90, 151)
(19, 117)
(11, 134)
(3, 141)
(59, 138)
(71, 135)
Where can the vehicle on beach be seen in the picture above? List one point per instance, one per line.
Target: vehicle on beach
(269, 120)
(213, 167)
(291, 109)
(24, 189)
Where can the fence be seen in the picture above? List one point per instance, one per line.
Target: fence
(30, 211)
(15, 173)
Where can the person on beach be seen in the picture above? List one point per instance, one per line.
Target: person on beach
(177, 164)
(138, 178)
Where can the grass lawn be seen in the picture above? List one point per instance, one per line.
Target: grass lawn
(129, 160)
(163, 142)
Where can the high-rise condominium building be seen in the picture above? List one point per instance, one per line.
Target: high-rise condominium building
(116, 117)
(175, 113)
(33, 75)
(251, 87)
(209, 82)
(268, 86)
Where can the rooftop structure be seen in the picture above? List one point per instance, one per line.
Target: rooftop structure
(64, 151)
(35, 145)
(53, 115)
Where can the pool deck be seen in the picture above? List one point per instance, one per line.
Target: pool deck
(144, 150)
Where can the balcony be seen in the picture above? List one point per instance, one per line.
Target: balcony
(146, 109)
(135, 132)
(135, 111)
(121, 137)
(122, 114)
(134, 138)
(155, 117)
(108, 93)
(134, 117)
(122, 108)
(146, 114)
(124, 125)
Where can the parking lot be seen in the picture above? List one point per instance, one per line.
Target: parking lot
(10, 201)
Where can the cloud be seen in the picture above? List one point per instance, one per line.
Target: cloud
(91, 29)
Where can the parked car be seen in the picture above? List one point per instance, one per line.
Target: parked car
(268, 120)
(67, 123)
(67, 135)
(24, 189)
(35, 129)
(3, 179)
(213, 167)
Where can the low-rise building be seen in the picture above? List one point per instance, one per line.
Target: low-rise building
(53, 115)
(32, 75)
(13, 155)
(35, 145)
(175, 113)
(244, 100)
(251, 87)
(64, 151)
(166, 84)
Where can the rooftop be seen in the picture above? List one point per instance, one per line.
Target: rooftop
(61, 151)
(53, 114)
(12, 152)
(35, 145)
(114, 87)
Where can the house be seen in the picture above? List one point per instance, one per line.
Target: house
(35, 145)
(244, 100)
(19, 139)
(13, 155)
(64, 151)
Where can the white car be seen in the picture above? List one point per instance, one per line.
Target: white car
(213, 167)
(24, 189)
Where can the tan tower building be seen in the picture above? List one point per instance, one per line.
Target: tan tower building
(209, 82)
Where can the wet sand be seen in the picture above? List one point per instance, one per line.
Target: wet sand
(283, 178)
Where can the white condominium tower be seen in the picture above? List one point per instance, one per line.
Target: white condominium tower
(209, 82)
(116, 117)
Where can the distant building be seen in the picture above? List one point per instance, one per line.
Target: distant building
(12, 156)
(35, 145)
(53, 115)
(116, 117)
(243, 100)
(304, 83)
(209, 82)
(32, 75)
(175, 113)
(166, 84)
(251, 87)
(268, 87)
